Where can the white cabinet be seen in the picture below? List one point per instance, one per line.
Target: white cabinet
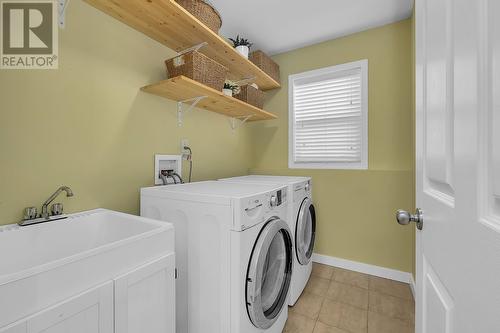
(145, 298)
(89, 312)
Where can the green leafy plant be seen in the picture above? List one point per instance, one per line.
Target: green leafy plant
(230, 85)
(240, 42)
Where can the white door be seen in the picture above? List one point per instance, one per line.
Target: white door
(145, 298)
(458, 165)
(89, 312)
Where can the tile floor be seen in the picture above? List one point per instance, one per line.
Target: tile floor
(341, 301)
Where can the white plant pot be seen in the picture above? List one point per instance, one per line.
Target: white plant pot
(243, 50)
(227, 92)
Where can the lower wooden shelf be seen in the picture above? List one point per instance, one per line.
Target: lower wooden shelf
(182, 88)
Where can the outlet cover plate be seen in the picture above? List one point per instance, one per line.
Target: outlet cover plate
(167, 162)
(184, 143)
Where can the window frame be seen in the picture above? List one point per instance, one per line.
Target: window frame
(363, 164)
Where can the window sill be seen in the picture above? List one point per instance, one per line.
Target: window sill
(331, 166)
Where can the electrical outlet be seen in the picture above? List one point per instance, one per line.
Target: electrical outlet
(184, 143)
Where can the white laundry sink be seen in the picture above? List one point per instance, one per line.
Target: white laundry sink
(45, 263)
(42, 246)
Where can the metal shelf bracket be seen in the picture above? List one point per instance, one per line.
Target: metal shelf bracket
(244, 81)
(62, 5)
(192, 102)
(196, 47)
(237, 122)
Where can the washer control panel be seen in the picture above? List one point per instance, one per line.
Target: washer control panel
(259, 208)
(278, 198)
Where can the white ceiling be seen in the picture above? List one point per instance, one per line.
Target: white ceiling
(277, 26)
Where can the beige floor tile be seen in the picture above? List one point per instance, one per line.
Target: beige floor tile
(323, 328)
(297, 323)
(344, 316)
(308, 305)
(317, 286)
(344, 293)
(354, 320)
(342, 301)
(412, 315)
(322, 271)
(330, 313)
(390, 287)
(378, 323)
(390, 306)
(352, 278)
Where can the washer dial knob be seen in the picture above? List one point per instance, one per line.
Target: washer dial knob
(274, 201)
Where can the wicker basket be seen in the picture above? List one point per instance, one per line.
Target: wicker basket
(204, 12)
(250, 95)
(264, 62)
(198, 67)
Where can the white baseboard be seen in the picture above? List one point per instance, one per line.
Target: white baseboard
(382, 272)
(413, 286)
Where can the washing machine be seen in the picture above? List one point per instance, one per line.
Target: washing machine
(234, 254)
(301, 217)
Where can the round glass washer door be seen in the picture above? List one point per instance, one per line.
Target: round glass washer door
(305, 232)
(269, 274)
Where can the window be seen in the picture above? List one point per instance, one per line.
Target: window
(328, 120)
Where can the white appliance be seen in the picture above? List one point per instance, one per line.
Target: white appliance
(233, 254)
(301, 217)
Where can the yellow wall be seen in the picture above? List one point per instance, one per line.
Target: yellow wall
(88, 126)
(356, 208)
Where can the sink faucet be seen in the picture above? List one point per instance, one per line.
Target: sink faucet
(31, 216)
(45, 211)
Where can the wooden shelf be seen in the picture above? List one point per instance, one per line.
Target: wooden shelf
(182, 88)
(168, 23)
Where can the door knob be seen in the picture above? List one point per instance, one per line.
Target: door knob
(404, 218)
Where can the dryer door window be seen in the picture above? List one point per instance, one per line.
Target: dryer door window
(269, 274)
(305, 232)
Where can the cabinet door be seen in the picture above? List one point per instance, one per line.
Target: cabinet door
(145, 298)
(89, 312)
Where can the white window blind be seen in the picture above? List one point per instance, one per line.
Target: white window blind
(328, 117)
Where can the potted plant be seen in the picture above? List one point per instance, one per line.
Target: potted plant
(229, 88)
(242, 45)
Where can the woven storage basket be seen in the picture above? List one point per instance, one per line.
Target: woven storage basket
(204, 12)
(264, 62)
(198, 67)
(251, 96)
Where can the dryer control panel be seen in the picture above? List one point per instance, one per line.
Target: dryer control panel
(302, 190)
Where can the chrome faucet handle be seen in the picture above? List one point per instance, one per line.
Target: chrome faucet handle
(57, 209)
(30, 213)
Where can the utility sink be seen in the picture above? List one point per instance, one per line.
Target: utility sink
(43, 246)
(44, 263)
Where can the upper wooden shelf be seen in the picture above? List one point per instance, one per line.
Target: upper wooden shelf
(182, 88)
(170, 24)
